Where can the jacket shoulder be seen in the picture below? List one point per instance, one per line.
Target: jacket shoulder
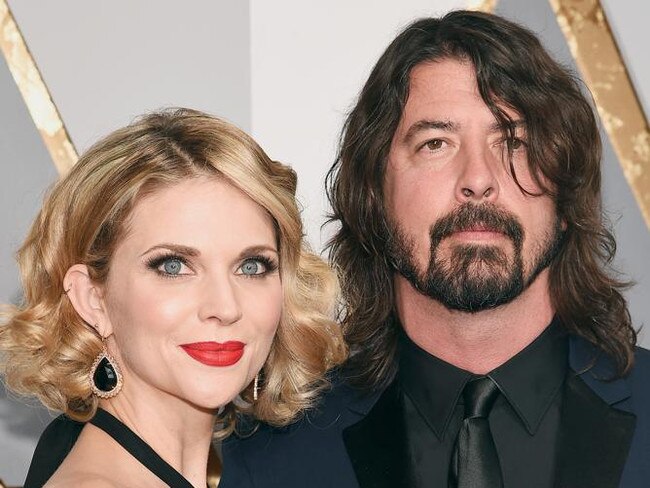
(639, 375)
(637, 469)
(309, 450)
(642, 357)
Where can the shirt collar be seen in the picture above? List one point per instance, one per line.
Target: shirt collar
(529, 380)
(432, 384)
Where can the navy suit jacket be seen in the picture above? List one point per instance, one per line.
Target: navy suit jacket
(356, 441)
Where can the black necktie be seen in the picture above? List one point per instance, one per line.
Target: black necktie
(475, 463)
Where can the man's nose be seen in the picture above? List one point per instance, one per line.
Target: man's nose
(477, 181)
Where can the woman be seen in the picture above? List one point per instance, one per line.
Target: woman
(167, 292)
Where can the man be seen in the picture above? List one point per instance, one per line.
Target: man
(490, 347)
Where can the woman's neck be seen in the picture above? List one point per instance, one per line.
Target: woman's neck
(179, 432)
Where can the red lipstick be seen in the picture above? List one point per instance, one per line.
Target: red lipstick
(215, 353)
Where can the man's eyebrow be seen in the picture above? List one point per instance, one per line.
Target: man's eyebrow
(422, 125)
(176, 248)
(516, 124)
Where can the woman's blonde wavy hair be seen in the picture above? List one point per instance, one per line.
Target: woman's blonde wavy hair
(47, 350)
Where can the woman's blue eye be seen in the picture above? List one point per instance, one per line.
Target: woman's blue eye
(169, 266)
(251, 268)
(172, 266)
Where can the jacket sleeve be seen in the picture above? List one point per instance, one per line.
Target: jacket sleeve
(235, 470)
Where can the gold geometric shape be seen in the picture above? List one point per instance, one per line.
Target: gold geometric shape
(486, 6)
(39, 103)
(592, 45)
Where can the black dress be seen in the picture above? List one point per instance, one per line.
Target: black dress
(60, 436)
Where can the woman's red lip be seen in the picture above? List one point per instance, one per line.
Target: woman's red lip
(214, 346)
(214, 353)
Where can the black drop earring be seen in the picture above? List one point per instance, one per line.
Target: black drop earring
(105, 376)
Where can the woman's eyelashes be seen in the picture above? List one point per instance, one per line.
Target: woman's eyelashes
(169, 265)
(173, 266)
(257, 266)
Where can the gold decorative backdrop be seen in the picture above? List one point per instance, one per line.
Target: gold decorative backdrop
(483, 5)
(593, 47)
(33, 90)
(583, 22)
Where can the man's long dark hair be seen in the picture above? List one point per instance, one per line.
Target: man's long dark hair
(564, 149)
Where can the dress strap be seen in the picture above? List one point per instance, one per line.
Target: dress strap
(139, 449)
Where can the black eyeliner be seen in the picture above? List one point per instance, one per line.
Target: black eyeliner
(270, 265)
(154, 263)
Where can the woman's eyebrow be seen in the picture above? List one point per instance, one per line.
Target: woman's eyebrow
(177, 248)
(257, 249)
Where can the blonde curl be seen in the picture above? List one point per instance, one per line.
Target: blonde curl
(46, 349)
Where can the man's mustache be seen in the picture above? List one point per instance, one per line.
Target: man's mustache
(486, 216)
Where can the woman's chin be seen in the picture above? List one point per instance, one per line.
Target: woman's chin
(211, 402)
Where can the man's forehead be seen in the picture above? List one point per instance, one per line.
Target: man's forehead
(441, 73)
(444, 95)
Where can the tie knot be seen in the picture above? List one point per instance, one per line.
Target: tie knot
(479, 396)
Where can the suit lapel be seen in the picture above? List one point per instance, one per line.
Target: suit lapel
(595, 436)
(595, 433)
(376, 444)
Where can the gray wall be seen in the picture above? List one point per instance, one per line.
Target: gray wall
(26, 171)
(106, 62)
(284, 71)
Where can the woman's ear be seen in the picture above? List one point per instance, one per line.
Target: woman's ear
(86, 298)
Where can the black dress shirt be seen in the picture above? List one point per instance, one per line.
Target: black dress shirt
(524, 420)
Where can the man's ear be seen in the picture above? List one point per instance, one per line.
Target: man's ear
(87, 299)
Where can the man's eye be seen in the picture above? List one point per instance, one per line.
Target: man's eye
(434, 144)
(517, 144)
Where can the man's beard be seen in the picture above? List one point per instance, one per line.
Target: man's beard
(473, 277)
